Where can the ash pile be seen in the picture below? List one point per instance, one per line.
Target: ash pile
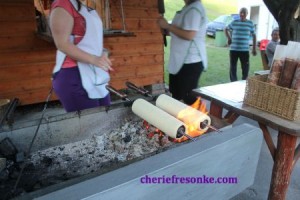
(134, 140)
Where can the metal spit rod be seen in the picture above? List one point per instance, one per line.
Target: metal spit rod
(214, 128)
(205, 123)
(138, 89)
(188, 136)
(181, 132)
(121, 95)
(124, 97)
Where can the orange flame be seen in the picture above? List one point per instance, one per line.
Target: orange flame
(189, 116)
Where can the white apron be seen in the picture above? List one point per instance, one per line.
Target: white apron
(93, 78)
(180, 48)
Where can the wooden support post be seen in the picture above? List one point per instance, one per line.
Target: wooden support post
(296, 155)
(268, 139)
(231, 117)
(218, 123)
(283, 165)
(216, 110)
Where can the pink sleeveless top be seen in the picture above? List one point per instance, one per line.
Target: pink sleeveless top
(78, 29)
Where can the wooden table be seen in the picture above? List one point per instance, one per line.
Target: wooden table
(229, 96)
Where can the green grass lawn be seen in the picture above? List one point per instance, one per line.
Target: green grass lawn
(214, 8)
(218, 57)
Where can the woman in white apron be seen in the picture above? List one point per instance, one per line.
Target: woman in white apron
(82, 69)
(187, 52)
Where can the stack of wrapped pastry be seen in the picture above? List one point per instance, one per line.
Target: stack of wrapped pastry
(285, 70)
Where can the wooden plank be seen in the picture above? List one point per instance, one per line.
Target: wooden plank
(13, 43)
(13, 58)
(148, 70)
(136, 71)
(123, 72)
(24, 85)
(17, 28)
(139, 36)
(121, 57)
(32, 96)
(136, 24)
(17, 12)
(141, 12)
(142, 81)
(139, 3)
(15, 2)
(123, 49)
(32, 70)
(135, 48)
(122, 61)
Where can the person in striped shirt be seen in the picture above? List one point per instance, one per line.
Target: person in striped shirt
(238, 33)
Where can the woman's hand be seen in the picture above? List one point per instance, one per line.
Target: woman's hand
(163, 23)
(103, 62)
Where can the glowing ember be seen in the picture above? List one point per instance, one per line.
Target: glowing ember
(152, 131)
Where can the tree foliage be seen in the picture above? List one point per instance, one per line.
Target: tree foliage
(283, 11)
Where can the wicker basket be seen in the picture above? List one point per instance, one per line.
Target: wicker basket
(280, 101)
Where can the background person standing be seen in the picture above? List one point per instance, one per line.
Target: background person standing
(238, 33)
(187, 52)
(271, 46)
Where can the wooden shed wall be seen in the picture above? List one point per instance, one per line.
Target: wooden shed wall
(27, 61)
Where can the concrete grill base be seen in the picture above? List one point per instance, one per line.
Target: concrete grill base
(76, 145)
(232, 153)
(59, 127)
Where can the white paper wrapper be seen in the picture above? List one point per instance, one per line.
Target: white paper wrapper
(188, 115)
(157, 117)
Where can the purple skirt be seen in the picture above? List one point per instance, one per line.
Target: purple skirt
(68, 87)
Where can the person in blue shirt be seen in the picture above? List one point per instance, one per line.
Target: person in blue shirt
(238, 33)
